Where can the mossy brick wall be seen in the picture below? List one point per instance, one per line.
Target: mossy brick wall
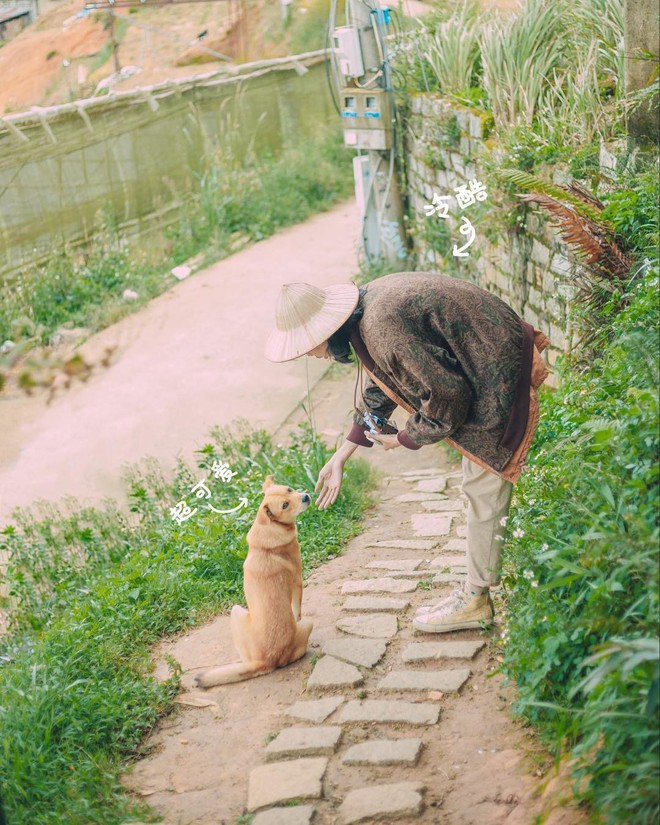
(515, 254)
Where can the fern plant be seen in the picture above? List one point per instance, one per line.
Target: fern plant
(606, 263)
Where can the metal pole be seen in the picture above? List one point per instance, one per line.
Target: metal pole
(383, 232)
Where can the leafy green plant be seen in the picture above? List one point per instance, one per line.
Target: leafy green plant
(77, 695)
(452, 52)
(518, 56)
(582, 583)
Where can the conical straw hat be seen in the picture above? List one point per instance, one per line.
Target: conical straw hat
(306, 316)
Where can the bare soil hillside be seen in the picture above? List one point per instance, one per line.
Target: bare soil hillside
(64, 56)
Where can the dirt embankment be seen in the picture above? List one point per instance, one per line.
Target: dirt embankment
(64, 56)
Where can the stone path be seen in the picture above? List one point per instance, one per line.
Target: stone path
(377, 723)
(402, 683)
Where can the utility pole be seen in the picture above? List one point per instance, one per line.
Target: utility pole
(367, 109)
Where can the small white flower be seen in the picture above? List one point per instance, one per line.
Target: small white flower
(528, 574)
(518, 533)
(535, 583)
(532, 501)
(503, 521)
(544, 547)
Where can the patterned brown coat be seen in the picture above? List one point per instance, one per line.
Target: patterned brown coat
(458, 358)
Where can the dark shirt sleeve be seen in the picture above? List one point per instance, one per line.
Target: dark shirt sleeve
(375, 401)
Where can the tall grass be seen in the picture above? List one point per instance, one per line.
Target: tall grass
(452, 51)
(577, 109)
(76, 692)
(519, 55)
(553, 65)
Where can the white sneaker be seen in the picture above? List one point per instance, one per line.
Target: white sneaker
(465, 612)
(456, 594)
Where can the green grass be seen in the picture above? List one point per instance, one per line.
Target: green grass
(248, 203)
(582, 580)
(93, 590)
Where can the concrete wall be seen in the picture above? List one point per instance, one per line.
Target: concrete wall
(526, 265)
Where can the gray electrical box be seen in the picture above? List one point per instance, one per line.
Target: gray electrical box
(348, 52)
(366, 118)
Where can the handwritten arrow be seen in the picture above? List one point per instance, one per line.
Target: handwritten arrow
(243, 502)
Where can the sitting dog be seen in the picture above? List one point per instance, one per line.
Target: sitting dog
(270, 633)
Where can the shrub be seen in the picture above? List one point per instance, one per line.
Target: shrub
(582, 573)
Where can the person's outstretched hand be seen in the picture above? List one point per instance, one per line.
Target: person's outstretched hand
(329, 483)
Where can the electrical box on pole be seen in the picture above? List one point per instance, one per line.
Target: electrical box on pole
(365, 114)
(366, 106)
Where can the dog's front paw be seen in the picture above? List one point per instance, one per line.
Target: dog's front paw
(199, 681)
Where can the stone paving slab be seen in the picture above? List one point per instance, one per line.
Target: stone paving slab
(432, 485)
(429, 471)
(423, 651)
(449, 561)
(444, 680)
(430, 524)
(333, 673)
(409, 574)
(300, 815)
(374, 626)
(451, 504)
(456, 544)
(404, 544)
(381, 585)
(314, 710)
(373, 604)
(390, 710)
(321, 740)
(393, 800)
(453, 513)
(364, 652)
(282, 781)
(395, 564)
(448, 578)
(384, 752)
(410, 497)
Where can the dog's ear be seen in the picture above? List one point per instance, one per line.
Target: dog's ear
(268, 483)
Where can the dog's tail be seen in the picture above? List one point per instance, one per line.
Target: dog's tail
(235, 672)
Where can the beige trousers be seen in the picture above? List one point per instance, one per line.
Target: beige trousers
(488, 498)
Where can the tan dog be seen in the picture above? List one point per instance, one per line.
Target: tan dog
(270, 633)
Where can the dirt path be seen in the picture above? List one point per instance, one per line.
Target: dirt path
(265, 744)
(191, 359)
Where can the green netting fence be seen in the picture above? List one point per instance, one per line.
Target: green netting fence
(130, 159)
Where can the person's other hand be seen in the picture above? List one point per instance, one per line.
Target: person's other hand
(389, 442)
(329, 482)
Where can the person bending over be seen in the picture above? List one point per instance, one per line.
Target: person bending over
(466, 368)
